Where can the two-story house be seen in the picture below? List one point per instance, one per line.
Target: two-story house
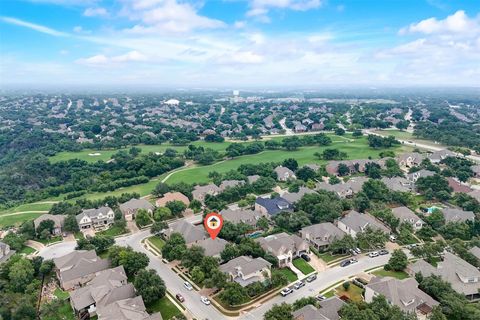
(284, 247)
(101, 218)
(245, 270)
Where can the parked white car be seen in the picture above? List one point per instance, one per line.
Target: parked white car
(188, 286)
(373, 254)
(205, 300)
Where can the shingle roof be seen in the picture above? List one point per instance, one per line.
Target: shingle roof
(127, 309)
(359, 222)
(475, 251)
(93, 213)
(404, 213)
(457, 215)
(58, 219)
(328, 310)
(246, 264)
(281, 243)
(322, 233)
(296, 196)
(212, 247)
(243, 215)
(190, 232)
(274, 206)
(135, 204)
(78, 265)
(172, 196)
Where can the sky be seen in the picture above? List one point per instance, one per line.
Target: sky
(239, 43)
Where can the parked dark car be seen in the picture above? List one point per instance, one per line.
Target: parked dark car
(306, 257)
(345, 263)
(383, 252)
(179, 297)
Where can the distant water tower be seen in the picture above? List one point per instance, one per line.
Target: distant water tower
(236, 93)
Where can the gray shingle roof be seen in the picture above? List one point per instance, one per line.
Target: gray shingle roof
(212, 247)
(457, 215)
(77, 265)
(127, 309)
(93, 213)
(359, 222)
(247, 265)
(274, 206)
(405, 214)
(243, 215)
(190, 232)
(322, 233)
(280, 243)
(135, 204)
(58, 219)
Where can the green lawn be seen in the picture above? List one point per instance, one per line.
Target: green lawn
(327, 256)
(60, 294)
(113, 231)
(65, 312)
(354, 293)
(27, 250)
(157, 242)
(396, 274)
(18, 219)
(28, 207)
(291, 276)
(303, 266)
(50, 240)
(165, 307)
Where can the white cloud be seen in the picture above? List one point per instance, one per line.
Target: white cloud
(102, 60)
(167, 16)
(457, 23)
(95, 12)
(260, 8)
(33, 26)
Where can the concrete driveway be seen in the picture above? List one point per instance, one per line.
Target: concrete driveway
(57, 250)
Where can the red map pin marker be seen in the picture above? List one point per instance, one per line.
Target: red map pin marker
(213, 223)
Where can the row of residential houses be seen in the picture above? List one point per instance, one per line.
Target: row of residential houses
(95, 289)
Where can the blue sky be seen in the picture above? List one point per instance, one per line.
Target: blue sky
(239, 43)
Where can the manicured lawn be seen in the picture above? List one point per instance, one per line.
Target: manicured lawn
(113, 231)
(354, 293)
(65, 312)
(327, 256)
(165, 307)
(303, 266)
(157, 242)
(329, 294)
(28, 207)
(396, 274)
(27, 250)
(51, 240)
(17, 219)
(60, 294)
(289, 273)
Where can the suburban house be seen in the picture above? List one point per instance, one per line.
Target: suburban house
(172, 196)
(408, 160)
(273, 206)
(457, 186)
(321, 235)
(353, 166)
(457, 215)
(476, 170)
(404, 214)
(78, 267)
(253, 178)
(398, 184)
(247, 216)
(230, 184)
(127, 309)
(354, 222)
(5, 252)
(343, 190)
(475, 251)
(200, 192)
(464, 278)
(294, 197)
(130, 208)
(284, 247)
(413, 177)
(328, 310)
(284, 174)
(438, 156)
(315, 167)
(404, 294)
(107, 287)
(191, 233)
(246, 270)
(100, 218)
(475, 194)
(58, 222)
(212, 247)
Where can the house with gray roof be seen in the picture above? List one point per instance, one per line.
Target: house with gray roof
(200, 192)
(78, 267)
(284, 247)
(438, 156)
(343, 190)
(398, 184)
(457, 215)
(284, 174)
(404, 214)
(475, 194)
(230, 184)
(464, 278)
(404, 294)
(410, 159)
(5, 252)
(130, 208)
(294, 197)
(354, 222)
(246, 216)
(246, 270)
(58, 222)
(127, 309)
(101, 218)
(328, 310)
(212, 247)
(190, 232)
(273, 206)
(253, 178)
(413, 177)
(475, 251)
(321, 235)
(107, 287)
(476, 170)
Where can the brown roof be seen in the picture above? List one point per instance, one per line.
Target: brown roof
(172, 196)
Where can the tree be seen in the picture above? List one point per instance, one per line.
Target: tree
(302, 302)
(305, 173)
(291, 143)
(48, 225)
(398, 261)
(132, 261)
(174, 247)
(158, 226)
(333, 154)
(230, 252)
(346, 285)
(149, 285)
(233, 294)
(193, 256)
(142, 218)
(21, 274)
(376, 190)
(279, 312)
(162, 213)
(160, 189)
(292, 221)
(279, 278)
(343, 245)
(290, 163)
(195, 205)
(339, 132)
(197, 275)
(342, 169)
(15, 241)
(176, 207)
(71, 224)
